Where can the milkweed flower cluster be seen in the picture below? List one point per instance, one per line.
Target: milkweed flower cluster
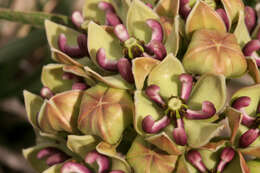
(144, 86)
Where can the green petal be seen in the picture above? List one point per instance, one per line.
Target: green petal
(53, 30)
(254, 166)
(92, 12)
(51, 77)
(209, 158)
(143, 159)
(137, 15)
(121, 7)
(182, 166)
(173, 41)
(81, 145)
(115, 81)
(203, 17)
(200, 133)
(144, 107)
(118, 161)
(33, 105)
(241, 31)
(237, 165)
(232, 7)
(54, 169)
(166, 76)
(100, 38)
(79, 72)
(30, 155)
(209, 88)
(255, 31)
(254, 93)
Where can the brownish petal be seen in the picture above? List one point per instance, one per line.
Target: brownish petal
(251, 151)
(214, 146)
(63, 58)
(163, 142)
(143, 158)
(234, 119)
(253, 69)
(204, 17)
(243, 164)
(141, 69)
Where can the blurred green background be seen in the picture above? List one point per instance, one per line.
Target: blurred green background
(23, 52)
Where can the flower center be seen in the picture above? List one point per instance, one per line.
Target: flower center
(175, 104)
(133, 48)
(176, 107)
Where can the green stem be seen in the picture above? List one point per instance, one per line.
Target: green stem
(33, 18)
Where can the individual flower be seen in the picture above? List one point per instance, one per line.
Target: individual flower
(172, 111)
(142, 35)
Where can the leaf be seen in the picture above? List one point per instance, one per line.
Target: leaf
(141, 68)
(166, 76)
(209, 88)
(241, 31)
(33, 18)
(200, 133)
(100, 38)
(144, 107)
(33, 105)
(137, 15)
(203, 17)
(105, 112)
(152, 161)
